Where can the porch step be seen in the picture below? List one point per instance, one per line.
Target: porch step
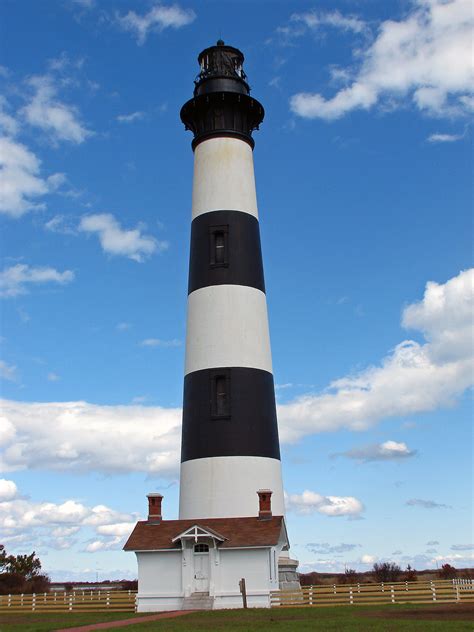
(198, 601)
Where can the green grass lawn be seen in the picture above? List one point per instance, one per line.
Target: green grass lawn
(333, 619)
(26, 622)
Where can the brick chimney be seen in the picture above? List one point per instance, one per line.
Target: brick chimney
(264, 504)
(154, 507)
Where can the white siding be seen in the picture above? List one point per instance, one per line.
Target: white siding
(252, 564)
(159, 573)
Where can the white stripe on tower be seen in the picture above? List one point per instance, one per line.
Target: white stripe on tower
(227, 326)
(230, 444)
(224, 177)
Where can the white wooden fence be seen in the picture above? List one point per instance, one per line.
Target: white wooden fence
(438, 591)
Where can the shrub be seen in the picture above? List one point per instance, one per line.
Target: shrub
(447, 572)
(129, 584)
(409, 575)
(38, 584)
(11, 583)
(386, 572)
(351, 576)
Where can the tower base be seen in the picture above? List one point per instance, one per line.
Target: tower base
(287, 575)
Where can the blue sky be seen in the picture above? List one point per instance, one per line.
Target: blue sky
(363, 178)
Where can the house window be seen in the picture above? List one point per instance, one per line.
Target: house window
(220, 394)
(219, 246)
(201, 548)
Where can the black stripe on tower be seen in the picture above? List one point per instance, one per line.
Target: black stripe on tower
(225, 249)
(229, 412)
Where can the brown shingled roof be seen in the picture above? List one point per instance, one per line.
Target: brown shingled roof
(149, 536)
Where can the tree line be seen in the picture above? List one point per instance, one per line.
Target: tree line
(381, 572)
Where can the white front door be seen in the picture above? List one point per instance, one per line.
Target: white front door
(201, 568)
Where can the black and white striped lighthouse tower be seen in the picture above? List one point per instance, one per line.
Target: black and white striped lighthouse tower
(230, 446)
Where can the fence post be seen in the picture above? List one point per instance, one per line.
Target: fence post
(9, 600)
(33, 602)
(334, 588)
(406, 586)
(70, 602)
(383, 588)
(392, 594)
(433, 590)
(108, 599)
(351, 599)
(358, 588)
(458, 597)
(243, 591)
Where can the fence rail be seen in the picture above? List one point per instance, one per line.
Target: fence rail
(442, 591)
(76, 601)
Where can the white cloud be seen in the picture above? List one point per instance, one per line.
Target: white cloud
(119, 529)
(20, 513)
(15, 279)
(426, 57)
(20, 181)
(386, 451)
(413, 378)
(460, 561)
(62, 532)
(104, 545)
(444, 138)
(462, 547)
(129, 118)
(60, 224)
(7, 431)
(8, 125)
(123, 326)
(8, 490)
(316, 19)
(324, 548)
(368, 559)
(117, 241)
(311, 502)
(157, 19)
(24, 518)
(156, 342)
(81, 437)
(53, 377)
(59, 120)
(426, 504)
(85, 4)
(8, 371)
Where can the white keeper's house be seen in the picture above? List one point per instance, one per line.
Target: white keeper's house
(198, 564)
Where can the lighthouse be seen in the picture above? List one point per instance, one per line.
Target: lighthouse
(231, 511)
(230, 445)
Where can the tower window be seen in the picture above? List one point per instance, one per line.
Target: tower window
(220, 394)
(219, 246)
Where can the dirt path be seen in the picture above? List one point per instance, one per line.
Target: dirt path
(123, 622)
